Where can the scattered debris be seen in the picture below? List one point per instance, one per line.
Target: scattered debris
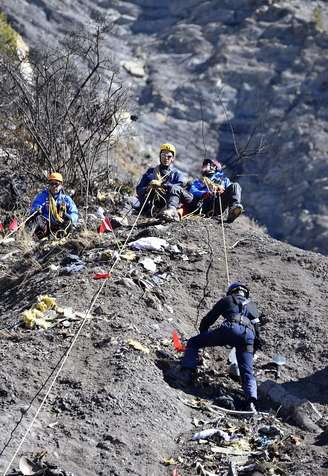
(148, 264)
(233, 367)
(45, 314)
(279, 360)
(150, 243)
(72, 264)
(138, 346)
(204, 434)
(169, 461)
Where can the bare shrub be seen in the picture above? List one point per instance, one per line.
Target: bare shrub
(62, 116)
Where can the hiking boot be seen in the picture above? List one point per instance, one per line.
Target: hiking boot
(234, 212)
(171, 214)
(183, 375)
(225, 401)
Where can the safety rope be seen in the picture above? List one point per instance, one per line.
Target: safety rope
(224, 242)
(78, 332)
(211, 187)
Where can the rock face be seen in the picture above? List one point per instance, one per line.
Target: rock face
(197, 65)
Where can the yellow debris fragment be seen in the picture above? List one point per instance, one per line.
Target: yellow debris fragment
(45, 303)
(138, 346)
(35, 316)
(129, 255)
(169, 461)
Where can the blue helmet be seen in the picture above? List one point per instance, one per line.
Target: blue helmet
(238, 286)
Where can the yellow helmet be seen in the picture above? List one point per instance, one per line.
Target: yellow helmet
(169, 147)
(55, 176)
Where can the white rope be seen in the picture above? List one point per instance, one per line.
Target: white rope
(224, 242)
(93, 301)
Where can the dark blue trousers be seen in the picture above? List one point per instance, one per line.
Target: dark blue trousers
(228, 334)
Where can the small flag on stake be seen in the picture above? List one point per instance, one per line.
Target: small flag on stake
(105, 226)
(179, 347)
(13, 225)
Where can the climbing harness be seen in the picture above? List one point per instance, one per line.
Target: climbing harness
(157, 195)
(57, 215)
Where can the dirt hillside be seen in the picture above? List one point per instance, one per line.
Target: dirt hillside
(115, 409)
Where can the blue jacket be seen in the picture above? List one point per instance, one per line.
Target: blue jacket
(198, 187)
(41, 200)
(174, 177)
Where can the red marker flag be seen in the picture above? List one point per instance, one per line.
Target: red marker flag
(105, 226)
(179, 347)
(13, 225)
(102, 276)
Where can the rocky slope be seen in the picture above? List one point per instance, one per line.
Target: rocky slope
(194, 65)
(114, 408)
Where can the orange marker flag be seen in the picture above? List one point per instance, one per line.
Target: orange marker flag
(179, 347)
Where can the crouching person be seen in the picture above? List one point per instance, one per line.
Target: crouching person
(214, 192)
(58, 213)
(160, 189)
(239, 329)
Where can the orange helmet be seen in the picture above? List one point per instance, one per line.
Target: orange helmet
(55, 176)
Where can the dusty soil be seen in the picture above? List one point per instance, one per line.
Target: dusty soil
(116, 410)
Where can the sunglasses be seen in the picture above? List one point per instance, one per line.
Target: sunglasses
(54, 184)
(166, 154)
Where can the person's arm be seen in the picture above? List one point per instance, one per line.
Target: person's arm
(176, 178)
(211, 316)
(226, 182)
(144, 183)
(198, 188)
(254, 317)
(72, 210)
(39, 202)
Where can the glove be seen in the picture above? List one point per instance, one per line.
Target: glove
(219, 189)
(155, 183)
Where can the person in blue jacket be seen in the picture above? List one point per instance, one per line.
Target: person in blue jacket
(161, 187)
(214, 187)
(57, 211)
(240, 329)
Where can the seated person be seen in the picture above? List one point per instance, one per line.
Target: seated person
(162, 186)
(214, 184)
(57, 211)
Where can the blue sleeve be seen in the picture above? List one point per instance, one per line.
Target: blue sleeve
(144, 182)
(226, 182)
(72, 210)
(40, 201)
(198, 188)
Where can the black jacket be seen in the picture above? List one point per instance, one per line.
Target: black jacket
(230, 307)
